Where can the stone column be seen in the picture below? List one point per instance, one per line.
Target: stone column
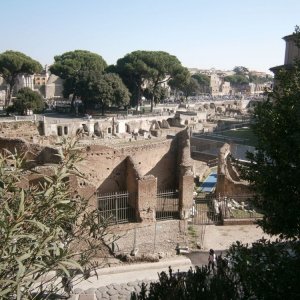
(147, 190)
(186, 189)
(90, 126)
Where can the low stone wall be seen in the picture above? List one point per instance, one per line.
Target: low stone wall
(25, 129)
(228, 182)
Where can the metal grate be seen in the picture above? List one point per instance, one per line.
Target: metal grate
(114, 208)
(167, 205)
(203, 211)
(238, 207)
(209, 209)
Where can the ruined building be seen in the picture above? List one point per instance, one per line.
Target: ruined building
(142, 168)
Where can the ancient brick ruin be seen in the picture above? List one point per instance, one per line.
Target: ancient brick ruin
(141, 160)
(229, 182)
(142, 168)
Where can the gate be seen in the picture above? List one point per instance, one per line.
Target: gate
(204, 211)
(115, 208)
(167, 205)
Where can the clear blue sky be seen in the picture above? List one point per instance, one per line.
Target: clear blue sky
(201, 33)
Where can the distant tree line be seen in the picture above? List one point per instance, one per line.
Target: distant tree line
(244, 76)
(138, 74)
(87, 76)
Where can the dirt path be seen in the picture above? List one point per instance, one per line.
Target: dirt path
(221, 237)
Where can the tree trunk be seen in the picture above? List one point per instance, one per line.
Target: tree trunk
(138, 98)
(9, 91)
(72, 103)
(8, 97)
(152, 100)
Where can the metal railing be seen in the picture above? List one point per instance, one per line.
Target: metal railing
(32, 118)
(167, 205)
(204, 212)
(114, 207)
(209, 209)
(237, 207)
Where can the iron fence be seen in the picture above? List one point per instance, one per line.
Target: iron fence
(237, 207)
(115, 208)
(167, 205)
(209, 209)
(204, 212)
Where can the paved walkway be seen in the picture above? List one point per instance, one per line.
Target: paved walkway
(119, 282)
(113, 291)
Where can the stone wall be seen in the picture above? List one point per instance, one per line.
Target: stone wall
(35, 153)
(106, 167)
(228, 181)
(143, 169)
(103, 127)
(147, 190)
(208, 146)
(26, 129)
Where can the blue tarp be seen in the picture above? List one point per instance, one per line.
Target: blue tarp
(209, 183)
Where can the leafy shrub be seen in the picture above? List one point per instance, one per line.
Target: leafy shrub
(43, 228)
(266, 270)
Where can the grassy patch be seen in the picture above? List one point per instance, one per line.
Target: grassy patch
(242, 214)
(242, 133)
(192, 236)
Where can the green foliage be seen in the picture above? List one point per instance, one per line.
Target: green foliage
(13, 63)
(240, 70)
(158, 95)
(43, 228)
(274, 171)
(245, 133)
(107, 90)
(133, 71)
(244, 76)
(263, 270)
(192, 87)
(75, 67)
(203, 81)
(180, 79)
(259, 80)
(151, 67)
(28, 99)
(266, 270)
(191, 285)
(202, 78)
(237, 79)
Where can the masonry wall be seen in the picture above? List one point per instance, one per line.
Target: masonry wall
(106, 168)
(142, 169)
(206, 145)
(228, 181)
(185, 174)
(157, 159)
(27, 129)
(34, 153)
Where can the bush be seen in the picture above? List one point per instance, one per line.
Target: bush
(44, 228)
(266, 270)
(27, 99)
